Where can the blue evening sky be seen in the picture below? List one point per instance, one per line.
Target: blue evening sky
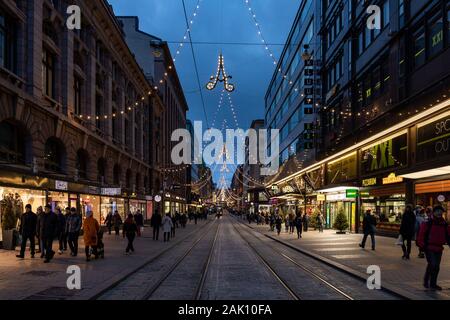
(250, 65)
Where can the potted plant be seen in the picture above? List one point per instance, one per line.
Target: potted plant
(341, 222)
(10, 208)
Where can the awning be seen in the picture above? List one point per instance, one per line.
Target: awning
(427, 173)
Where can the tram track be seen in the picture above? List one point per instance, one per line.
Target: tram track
(161, 254)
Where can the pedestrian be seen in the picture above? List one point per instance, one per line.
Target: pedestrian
(320, 222)
(167, 227)
(73, 228)
(174, 225)
(139, 219)
(369, 228)
(130, 229)
(407, 230)
(291, 221)
(27, 230)
(155, 223)
(109, 221)
(90, 233)
(286, 223)
(65, 235)
(272, 222)
(47, 228)
(298, 225)
(39, 214)
(305, 222)
(433, 234)
(183, 220)
(195, 217)
(420, 218)
(117, 220)
(60, 230)
(278, 222)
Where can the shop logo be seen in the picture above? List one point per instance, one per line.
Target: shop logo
(74, 280)
(74, 20)
(374, 19)
(374, 280)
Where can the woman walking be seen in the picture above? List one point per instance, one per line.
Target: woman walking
(117, 222)
(407, 230)
(129, 230)
(90, 231)
(167, 226)
(299, 225)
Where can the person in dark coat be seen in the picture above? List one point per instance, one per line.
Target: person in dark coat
(278, 222)
(298, 222)
(60, 229)
(433, 235)
(155, 223)
(174, 224)
(407, 230)
(129, 231)
(305, 222)
(369, 228)
(117, 220)
(39, 213)
(73, 228)
(47, 230)
(109, 221)
(139, 219)
(28, 231)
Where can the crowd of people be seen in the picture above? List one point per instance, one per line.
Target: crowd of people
(46, 226)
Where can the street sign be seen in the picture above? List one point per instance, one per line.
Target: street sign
(351, 193)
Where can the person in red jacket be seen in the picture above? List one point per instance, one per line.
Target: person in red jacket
(433, 235)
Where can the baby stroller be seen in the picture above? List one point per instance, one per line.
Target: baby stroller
(100, 245)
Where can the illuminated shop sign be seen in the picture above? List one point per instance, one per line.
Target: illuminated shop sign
(392, 178)
(351, 193)
(320, 197)
(369, 182)
(433, 139)
(111, 191)
(390, 153)
(61, 185)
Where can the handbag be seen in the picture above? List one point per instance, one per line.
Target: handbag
(399, 241)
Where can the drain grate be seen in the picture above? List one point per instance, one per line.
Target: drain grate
(53, 293)
(38, 273)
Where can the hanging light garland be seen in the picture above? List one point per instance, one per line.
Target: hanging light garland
(221, 76)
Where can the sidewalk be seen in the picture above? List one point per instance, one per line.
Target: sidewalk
(32, 279)
(343, 251)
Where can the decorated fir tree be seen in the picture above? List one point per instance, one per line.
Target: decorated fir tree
(313, 218)
(341, 222)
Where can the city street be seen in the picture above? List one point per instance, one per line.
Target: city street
(224, 259)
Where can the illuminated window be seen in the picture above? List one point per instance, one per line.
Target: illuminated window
(419, 47)
(436, 34)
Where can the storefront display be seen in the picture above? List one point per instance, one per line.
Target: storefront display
(58, 199)
(111, 204)
(92, 203)
(337, 202)
(434, 193)
(136, 205)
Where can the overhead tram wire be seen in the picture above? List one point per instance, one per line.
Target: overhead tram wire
(232, 43)
(195, 64)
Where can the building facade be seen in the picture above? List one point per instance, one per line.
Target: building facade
(73, 111)
(384, 111)
(154, 57)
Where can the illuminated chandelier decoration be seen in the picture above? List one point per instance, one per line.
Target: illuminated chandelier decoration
(221, 76)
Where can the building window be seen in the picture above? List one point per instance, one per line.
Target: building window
(448, 25)
(77, 95)
(386, 14)
(436, 34)
(48, 73)
(8, 43)
(98, 110)
(116, 175)
(401, 13)
(81, 163)
(419, 47)
(54, 155)
(12, 143)
(101, 170)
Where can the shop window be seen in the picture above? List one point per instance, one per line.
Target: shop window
(8, 43)
(436, 34)
(14, 143)
(419, 47)
(81, 163)
(54, 156)
(101, 170)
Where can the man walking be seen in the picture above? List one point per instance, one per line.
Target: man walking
(73, 227)
(139, 220)
(155, 223)
(369, 228)
(47, 231)
(28, 231)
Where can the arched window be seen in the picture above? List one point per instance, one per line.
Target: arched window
(82, 163)
(15, 143)
(55, 155)
(101, 170)
(146, 185)
(116, 175)
(138, 182)
(128, 179)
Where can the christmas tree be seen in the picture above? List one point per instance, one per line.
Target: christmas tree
(341, 222)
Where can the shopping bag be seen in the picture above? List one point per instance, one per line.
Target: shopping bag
(399, 241)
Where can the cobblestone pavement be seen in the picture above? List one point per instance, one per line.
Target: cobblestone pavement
(32, 279)
(404, 276)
